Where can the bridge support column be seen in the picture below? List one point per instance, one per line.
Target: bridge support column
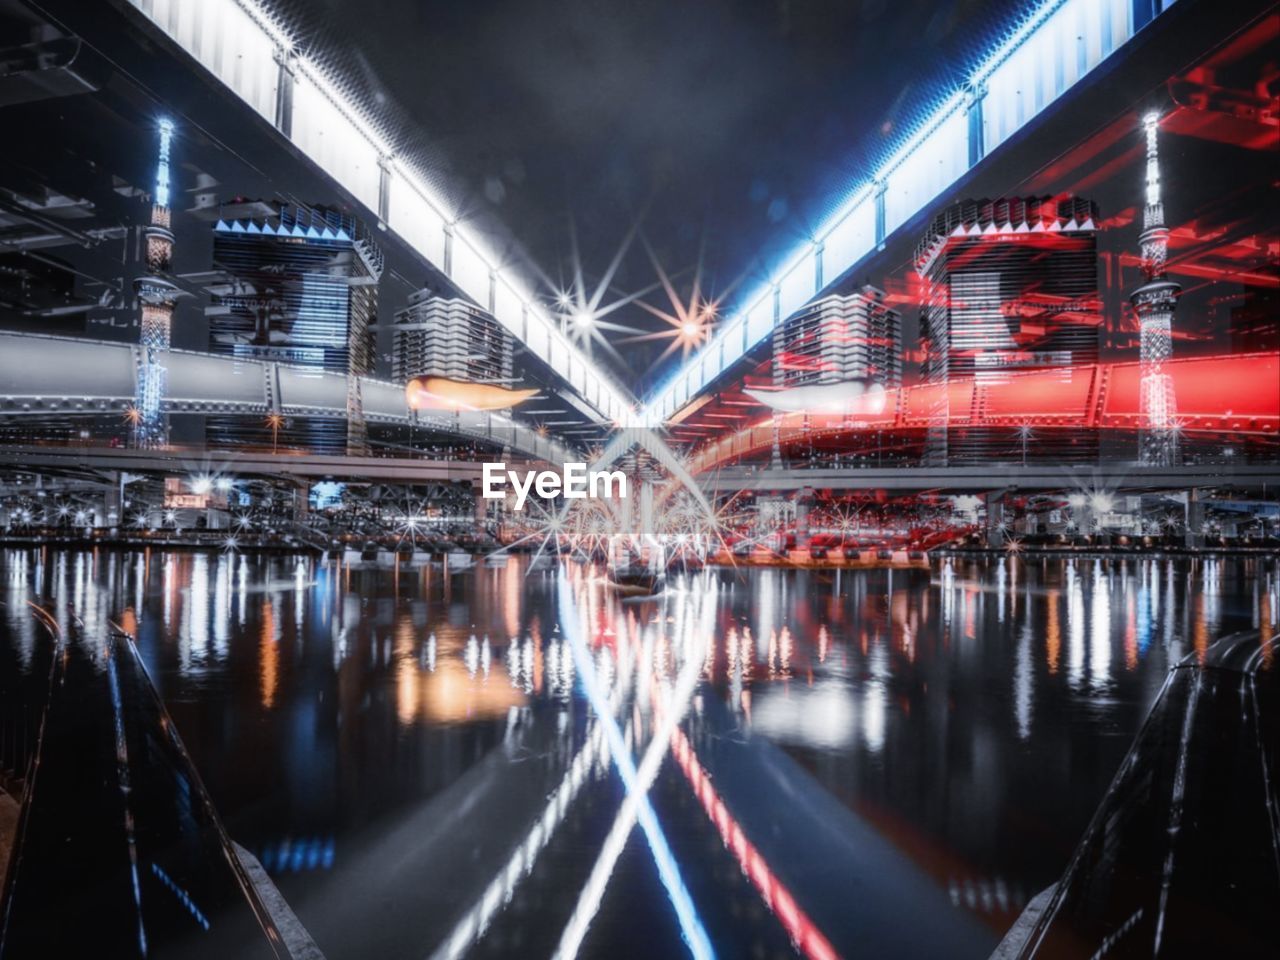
(977, 134)
(481, 511)
(995, 519)
(804, 500)
(284, 90)
(1194, 520)
(301, 501)
(113, 502)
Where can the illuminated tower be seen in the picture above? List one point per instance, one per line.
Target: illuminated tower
(1154, 303)
(156, 293)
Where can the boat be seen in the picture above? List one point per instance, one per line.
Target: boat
(635, 583)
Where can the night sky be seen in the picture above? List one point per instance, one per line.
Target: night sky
(726, 129)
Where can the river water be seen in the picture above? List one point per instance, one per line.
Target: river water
(503, 761)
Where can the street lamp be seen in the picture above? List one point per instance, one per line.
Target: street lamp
(1024, 434)
(274, 421)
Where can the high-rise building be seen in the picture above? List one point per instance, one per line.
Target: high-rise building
(299, 287)
(1009, 285)
(1154, 303)
(437, 336)
(156, 293)
(837, 339)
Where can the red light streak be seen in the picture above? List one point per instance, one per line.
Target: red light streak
(776, 896)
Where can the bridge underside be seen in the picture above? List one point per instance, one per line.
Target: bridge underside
(98, 379)
(1225, 369)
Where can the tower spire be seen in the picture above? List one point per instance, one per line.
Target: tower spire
(156, 293)
(1154, 302)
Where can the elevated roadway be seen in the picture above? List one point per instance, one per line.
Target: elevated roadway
(94, 461)
(978, 479)
(70, 377)
(1236, 396)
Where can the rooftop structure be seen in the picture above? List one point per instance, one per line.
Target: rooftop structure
(438, 336)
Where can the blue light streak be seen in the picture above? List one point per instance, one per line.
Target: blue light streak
(695, 934)
(122, 783)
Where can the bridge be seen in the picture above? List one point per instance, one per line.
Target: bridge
(978, 479)
(1050, 51)
(69, 377)
(99, 460)
(311, 110)
(1101, 397)
(1039, 62)
(88, 461)
(95, 378)
(292, 111)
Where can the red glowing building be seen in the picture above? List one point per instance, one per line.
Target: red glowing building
(1009, 285)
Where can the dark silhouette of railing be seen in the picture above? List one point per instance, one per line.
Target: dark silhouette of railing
(119, 851)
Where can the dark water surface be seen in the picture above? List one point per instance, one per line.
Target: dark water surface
(499, 762)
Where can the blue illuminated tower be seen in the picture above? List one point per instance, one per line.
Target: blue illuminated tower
(1154, 302)
(156, 293)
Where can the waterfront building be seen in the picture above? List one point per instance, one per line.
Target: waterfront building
(838, 339)
(300, 287)
(1009, 285)
(449, 337)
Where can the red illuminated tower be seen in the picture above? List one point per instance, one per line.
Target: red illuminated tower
(1154, 303)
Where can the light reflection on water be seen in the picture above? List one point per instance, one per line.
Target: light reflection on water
(971, 714)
